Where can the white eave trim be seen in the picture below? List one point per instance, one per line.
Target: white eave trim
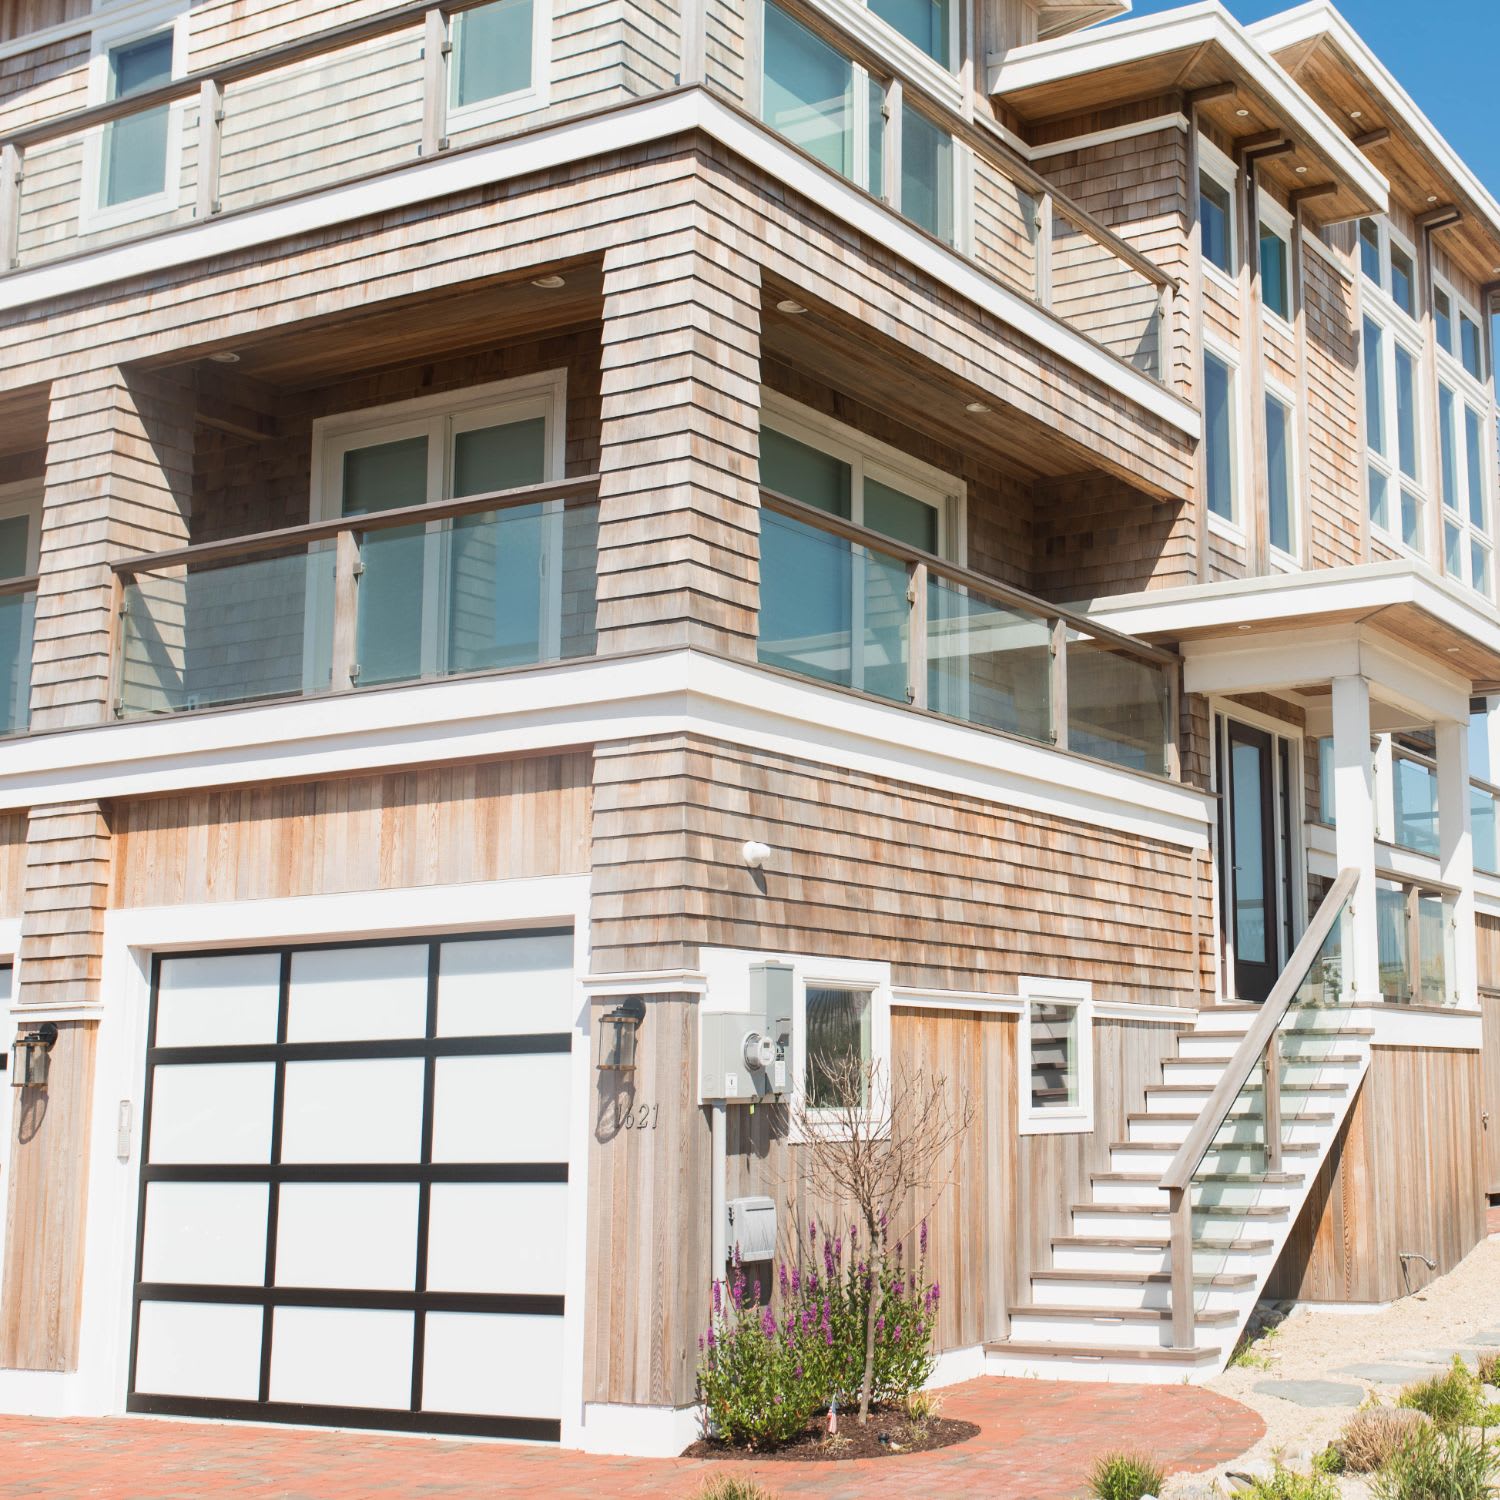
(583, 703)
(1128, 42)
(1319, 19)
(1302, 597)
(602, 134)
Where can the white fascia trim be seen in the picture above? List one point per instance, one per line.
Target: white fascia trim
(1449, 1030)
(638, 1431)
(583, 703)
(1160, 1015)
(646, 982)
(1152, 126)
(1302, 596)
(908, 997)
(1176, 30)
(1319, 18)
(616, 130)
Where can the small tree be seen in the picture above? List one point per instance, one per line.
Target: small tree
(883, 1147)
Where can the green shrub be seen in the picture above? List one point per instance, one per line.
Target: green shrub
(1438, 1465)
(722, 1487)
(1285, 1484)
(1489, 1367)
(1329, 1461)
(1125, 1476)
(1375, 1434)
(1451, 1399)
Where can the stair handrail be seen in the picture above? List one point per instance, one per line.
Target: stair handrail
(1257, 1045)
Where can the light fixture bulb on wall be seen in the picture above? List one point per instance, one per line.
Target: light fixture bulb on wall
(31, 1056)
(755, 853)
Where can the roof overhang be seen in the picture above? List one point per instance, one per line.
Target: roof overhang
(1385, 106)
(1195, 47)
(1449, 635)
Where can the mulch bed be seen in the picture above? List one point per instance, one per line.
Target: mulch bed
(888, 1434)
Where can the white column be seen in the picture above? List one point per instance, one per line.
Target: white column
(1456, 851)
(1354, 811)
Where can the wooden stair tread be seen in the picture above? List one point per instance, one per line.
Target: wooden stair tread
(1342, 1031)
(1161, 1210)
(1194, 1356)
(1145, 1278)
(1100, 1242)
(1248, 1179)
(1218, 1316)
(1254, 1088)
(1288, 1116)
(1288, 1148)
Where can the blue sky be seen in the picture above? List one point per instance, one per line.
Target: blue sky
(1445, 61)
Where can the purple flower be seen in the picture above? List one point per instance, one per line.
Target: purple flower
(898, 1289)
(785, 1282)
(853, 1236)
(796, 1280)
(922, 1238)
(737, 1291)
(797, 1373)
(896, 1333)
(812, 1231)
(828, 1256)
(767, 1323)
(709, 1336)
(838, 1249)
(777, 1398)
(807, 1319)
(879, 1325)
(718, 1296)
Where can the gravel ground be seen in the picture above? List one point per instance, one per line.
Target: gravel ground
(1357, 1354)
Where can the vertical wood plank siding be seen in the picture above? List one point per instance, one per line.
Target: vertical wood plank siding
(679, 446)
(988, 893)
(12, 864)
(119, 480)
(1406, 1174)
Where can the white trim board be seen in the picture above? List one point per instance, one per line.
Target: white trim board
(583, 702)
(603, 133)
(910, 997)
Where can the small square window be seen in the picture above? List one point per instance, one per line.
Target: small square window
(838, 1044)
(1057, 1058)
(492, 52)
(1054, 1056)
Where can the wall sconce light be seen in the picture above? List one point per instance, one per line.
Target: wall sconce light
(617, 1035)
(31, 1056)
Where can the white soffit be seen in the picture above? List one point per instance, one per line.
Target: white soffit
(1318, 19)
(1102, 48)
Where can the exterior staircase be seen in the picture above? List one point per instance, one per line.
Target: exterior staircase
(1103, 1309)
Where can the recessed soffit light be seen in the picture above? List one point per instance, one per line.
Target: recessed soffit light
(225, 357)
(977, 407)
(548, 283)
(787, 305)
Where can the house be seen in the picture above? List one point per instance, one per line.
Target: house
(544, 541)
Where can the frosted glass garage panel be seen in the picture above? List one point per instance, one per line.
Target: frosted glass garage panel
(369, 1110)
(498, 1237)
(198, 1349)
(357, 1235)
(357, 994)
(493, 1364)
(508, 984)
(498, 1109)
(208, 1232)
(212, 1112)
(218, 1001)
(338, 1356)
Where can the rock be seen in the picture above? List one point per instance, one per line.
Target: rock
(1381, 1374)
(1237, 1481)
(1313, 1393)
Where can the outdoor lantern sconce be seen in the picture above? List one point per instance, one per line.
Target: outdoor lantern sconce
(31, 1056)
(617, 1035)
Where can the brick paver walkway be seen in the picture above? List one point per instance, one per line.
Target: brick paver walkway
(1036, 1442)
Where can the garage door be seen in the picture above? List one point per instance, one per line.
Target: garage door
(354, 1185)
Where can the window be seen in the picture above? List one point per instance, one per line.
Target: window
(1216, 221)
(1219, 406)
(1057, 1067)
(1326, 813)
(1281, 484)
(495, 66)
(1466, 539)
(480, 592)
(838, 1045)
(923, 22)
(1275, 272)
(1392, 423)
(1369, 250)
(1442, 317)
(926, 174)
(1403, 282)
(133, 151)
(1415, 799)
(1470, 350)
(835, 111)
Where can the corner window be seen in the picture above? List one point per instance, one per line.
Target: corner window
(1275, 272)
(1219, 436)
(1281, 484)
(1369, 250)
(493, 57)
(838, 1044)
(1216, 222)
(1056, 1057)
(133, 150)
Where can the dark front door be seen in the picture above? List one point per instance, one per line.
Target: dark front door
(1252, 904)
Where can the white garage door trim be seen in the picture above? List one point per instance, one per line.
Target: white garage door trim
(395, 1326)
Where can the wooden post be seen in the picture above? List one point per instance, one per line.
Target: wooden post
(692, 61)
(890, 188)
(11, 173)
(1183, 1319)
(346, 570)
(1174, 725)
(1413, 977)
(210, 146)
(1044, 250)
(1271, 1072)
(916, 649)
(1059, 684)
(436, 52)
(1165, 331)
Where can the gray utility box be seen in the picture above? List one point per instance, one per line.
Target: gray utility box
(746, 1055)
(751, 1229)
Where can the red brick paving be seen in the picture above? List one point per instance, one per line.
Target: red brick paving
(1037, 1439)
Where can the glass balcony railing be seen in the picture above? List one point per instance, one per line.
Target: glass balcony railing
(17, 618)
(474, 585)
(1416, 934)
(848, 606)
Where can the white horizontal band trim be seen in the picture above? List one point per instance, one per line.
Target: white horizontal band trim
(909, 998)
(1127, 1010)
(1188, 27)
(583, 703)
(1106, 137)
(1456, 1030)
(603, 133)
(44, 1011)
(655, 982)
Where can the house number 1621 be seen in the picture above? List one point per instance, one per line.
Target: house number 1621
(641, 1117)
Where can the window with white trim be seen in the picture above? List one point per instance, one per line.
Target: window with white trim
(1393, 424)
(836, 111)
(1275, 260)
(20, 528)
(498, 66)
(1056, 1057)
(838, 1024)
(1216, 208)
(468, 595)
(1465, 443)
(1281, 476)
(1221, 435)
